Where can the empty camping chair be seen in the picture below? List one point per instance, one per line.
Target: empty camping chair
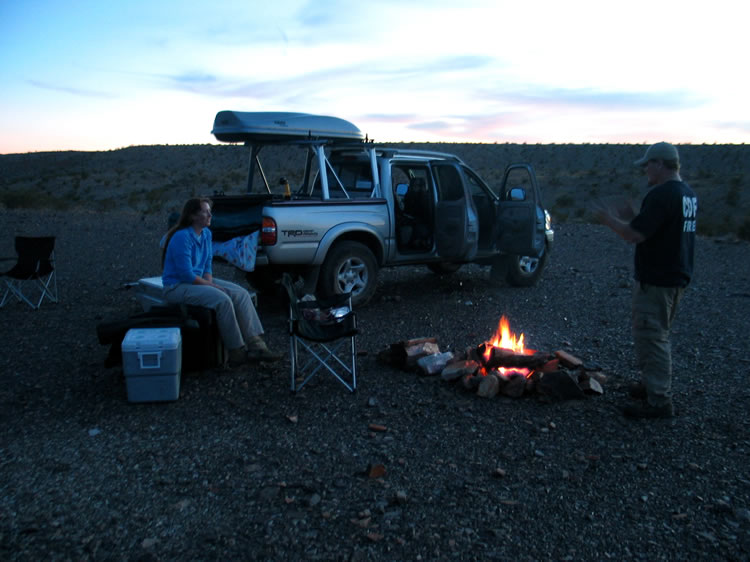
(34, 272)
(322, 337)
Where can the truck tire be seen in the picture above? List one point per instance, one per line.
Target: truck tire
(443, 267)
(349, 267)
(519, 271)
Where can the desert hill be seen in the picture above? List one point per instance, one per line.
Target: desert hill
(156, 179)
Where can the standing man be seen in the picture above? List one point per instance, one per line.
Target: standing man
(664, 234)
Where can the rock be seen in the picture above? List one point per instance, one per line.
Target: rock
(489, 386)
(514, 386)
(559, 385)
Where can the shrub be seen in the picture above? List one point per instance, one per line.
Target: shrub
(32, 199)
(743, 231)
(732, 197)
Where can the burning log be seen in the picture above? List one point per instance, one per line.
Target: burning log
(499, 357)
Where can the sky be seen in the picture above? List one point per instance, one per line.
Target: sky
(106, 74)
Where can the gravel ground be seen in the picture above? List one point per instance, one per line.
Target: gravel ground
(239, 468)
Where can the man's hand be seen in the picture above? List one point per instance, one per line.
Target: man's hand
(615, 207)
(617, 216)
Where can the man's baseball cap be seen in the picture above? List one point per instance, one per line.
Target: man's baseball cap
(659, 151)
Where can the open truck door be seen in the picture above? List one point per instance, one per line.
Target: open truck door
(456, 219)
(520, 213)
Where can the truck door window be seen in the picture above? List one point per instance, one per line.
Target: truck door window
(519, 183)
(475, 185)
(400, 185)
(450, 187)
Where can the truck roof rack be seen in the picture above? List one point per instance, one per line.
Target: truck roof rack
(282, 127)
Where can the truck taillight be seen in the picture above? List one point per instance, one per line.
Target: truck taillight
(268, 232)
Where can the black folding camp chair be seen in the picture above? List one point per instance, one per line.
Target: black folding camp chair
(322, 336)
(34, 272)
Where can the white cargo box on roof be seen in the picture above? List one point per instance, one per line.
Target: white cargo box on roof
(270, 127)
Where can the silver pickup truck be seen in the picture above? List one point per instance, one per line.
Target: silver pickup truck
(357, 207)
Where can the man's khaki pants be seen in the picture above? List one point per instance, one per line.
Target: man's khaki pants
(654, 308)
(235, 314)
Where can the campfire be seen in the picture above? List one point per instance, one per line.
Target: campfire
(501, 366)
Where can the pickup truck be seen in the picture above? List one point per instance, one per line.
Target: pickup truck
(357, 207)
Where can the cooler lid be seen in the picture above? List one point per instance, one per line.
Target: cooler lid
(142, 339)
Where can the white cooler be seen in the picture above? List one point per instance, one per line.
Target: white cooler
(149, 292)
(152, 364)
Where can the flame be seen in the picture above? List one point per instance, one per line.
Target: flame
(505, 339)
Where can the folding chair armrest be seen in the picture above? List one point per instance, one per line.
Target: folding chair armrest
(334, 301)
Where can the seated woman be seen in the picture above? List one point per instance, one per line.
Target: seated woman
(187, 278)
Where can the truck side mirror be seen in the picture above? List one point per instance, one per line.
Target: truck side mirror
(517, 194)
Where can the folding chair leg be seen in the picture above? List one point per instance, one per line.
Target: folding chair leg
(322, 356)
(294, 359)
(13, 289)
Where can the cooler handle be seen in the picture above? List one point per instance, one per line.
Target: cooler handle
(153, 358)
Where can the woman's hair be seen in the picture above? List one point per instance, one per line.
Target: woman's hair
(190, 208)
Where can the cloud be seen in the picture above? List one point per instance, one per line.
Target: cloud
(194, 78)
(596, 99)
(408, 73)
(435, 126)
(743, 126)
(73, 91)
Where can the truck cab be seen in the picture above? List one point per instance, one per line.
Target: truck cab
(441, 209)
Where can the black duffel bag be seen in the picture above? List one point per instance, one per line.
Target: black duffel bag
(202, 347)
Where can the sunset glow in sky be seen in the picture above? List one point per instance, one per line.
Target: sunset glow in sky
(100, 75)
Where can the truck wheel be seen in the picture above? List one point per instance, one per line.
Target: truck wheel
(525, 271)
(443, 267)
(349, 267)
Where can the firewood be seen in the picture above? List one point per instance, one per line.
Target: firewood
(433, 364)
(458, 369)
(568, 360)
(416, 341)
(600, 377)
(396, 353)
(416, 352)
(549, 366)
(404, 354)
